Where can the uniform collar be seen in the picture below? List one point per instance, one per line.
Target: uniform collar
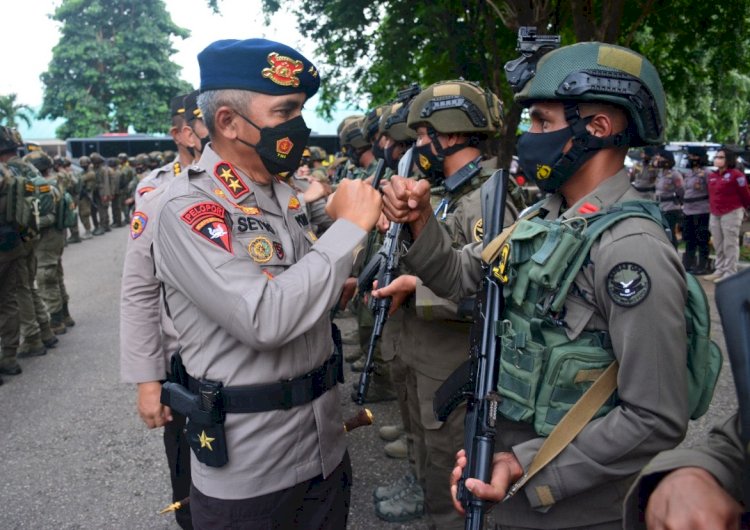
(612, 190)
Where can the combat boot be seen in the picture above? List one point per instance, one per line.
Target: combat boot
(75, 238)
(87, 235)
(406, 505)
(98, 231)
(67, 319)
(48, 337)
(8, 363)
(32, 347)
(351, 337)
(382, 493)
(56, 323)
(390, 433)
(398, 449)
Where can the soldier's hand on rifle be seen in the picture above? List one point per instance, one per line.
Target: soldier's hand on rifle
(506, 470)
(407, 201)
(399, 290)
(355, 201)
(691, 497)
(152, 412)
(383, 224)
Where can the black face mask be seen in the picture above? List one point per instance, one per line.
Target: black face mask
(378, 151)
(537, 155)
(280, 148)
(390, 161)
(428, 162)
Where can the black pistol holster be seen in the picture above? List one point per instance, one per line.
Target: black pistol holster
(204, 409)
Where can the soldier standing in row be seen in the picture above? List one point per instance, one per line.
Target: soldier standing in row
(644, 173)
(86, 207)
(102, 194)
(695, 210)
(670, 189)
(574, 150)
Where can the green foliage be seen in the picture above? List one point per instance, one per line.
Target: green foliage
(11, 112)
(372, 48)
(111, 68)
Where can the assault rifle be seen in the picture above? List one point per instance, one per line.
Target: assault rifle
(476, 379)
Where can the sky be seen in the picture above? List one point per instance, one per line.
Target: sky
(30, 32)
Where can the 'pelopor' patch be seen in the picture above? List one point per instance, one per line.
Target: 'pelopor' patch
(208, 220)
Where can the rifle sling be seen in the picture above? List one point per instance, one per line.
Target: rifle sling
(572, 423)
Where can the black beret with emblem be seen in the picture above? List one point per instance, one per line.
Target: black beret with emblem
(258, 65)
(176, 105)
(192, 111)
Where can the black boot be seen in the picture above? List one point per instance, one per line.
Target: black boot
(56, 323)
(688, 261)
(703, 266)
(67, 319)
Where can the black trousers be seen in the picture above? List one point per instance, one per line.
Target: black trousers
(696, 235)
(673, 217)
(178, 457)
(316, 504)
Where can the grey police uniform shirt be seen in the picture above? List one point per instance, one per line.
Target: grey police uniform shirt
(153, 180)
(696, 193)
(722, 455)
(670, 186)
(147, 335)
(649, 342)
(250, 291)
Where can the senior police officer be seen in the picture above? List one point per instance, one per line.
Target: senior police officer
(250, 290)
(587, 103)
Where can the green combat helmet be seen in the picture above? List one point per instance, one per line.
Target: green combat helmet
(169, 156)
(371, 124)
(84, 162)
(9, 139)
(351, 134)
(317, 154)
(456, 107)
(40, 160)
(587, 72)
(97, 159)
(122, 157)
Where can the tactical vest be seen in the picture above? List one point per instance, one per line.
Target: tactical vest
(21, 201)
(543, 372)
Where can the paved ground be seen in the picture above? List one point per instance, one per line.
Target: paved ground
(76, 455)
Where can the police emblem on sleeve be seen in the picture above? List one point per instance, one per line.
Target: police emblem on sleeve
(260, 249)
(478, 230)
(208, 220)
(138, 224)
(628, 284)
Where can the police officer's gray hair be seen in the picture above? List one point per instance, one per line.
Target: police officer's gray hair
(211, 100)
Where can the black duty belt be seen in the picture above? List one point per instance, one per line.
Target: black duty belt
(667, 198)
(695, 199)
(644, 189)
(282, 395)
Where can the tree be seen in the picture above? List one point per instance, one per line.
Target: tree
(371, 48)
(11, 112)
(111, 68)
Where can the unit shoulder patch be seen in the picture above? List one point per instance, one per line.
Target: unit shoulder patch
(138, 224)
(209, 220)
(628, 284)
(478, 230)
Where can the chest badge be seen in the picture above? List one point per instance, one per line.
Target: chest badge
(294, 203)
(260, 249)
(230, 179)
(628, 284)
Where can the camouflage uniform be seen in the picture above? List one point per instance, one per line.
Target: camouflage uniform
(86, 189)
(102, 192)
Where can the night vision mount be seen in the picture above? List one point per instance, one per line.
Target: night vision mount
(532, 48)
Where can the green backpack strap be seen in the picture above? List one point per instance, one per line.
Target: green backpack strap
(597, 223)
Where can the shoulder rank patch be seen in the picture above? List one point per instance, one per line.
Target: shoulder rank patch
(145, 189)
(230, 179)
(138, 224)
(628, 284)
(208, 219)
(260, 249)
(283, 70)
(294, 203)
(478, 230)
